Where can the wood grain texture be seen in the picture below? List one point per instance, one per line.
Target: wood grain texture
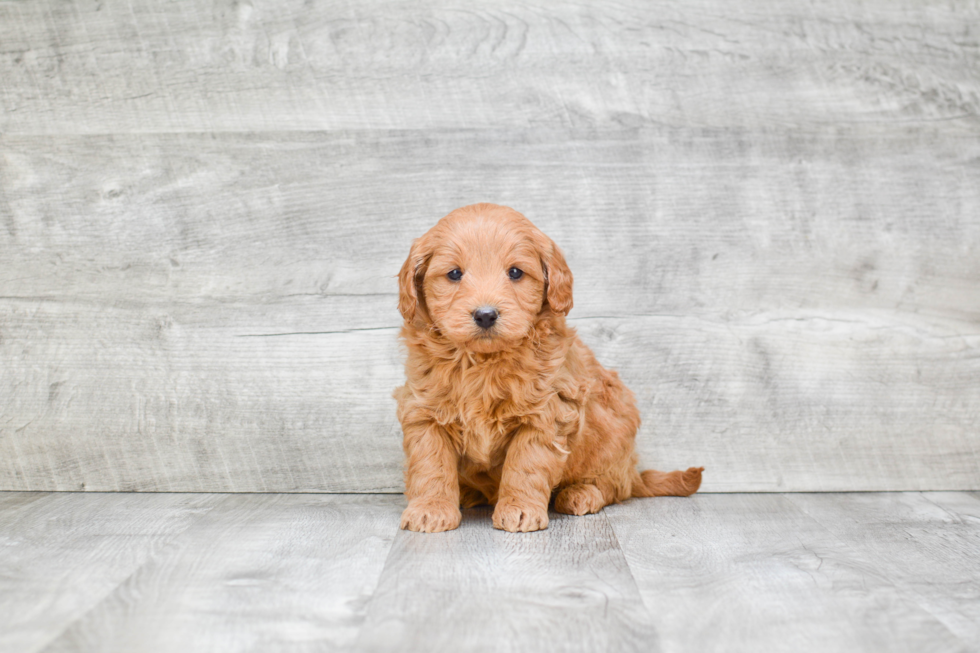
(199, 408)
(756, 573)
(255, 572)
(61, 555)
(12, 503)
(705, 221)
(91, 67)
(926, 544)
(159, 573)
(216, 313)
(567, 588)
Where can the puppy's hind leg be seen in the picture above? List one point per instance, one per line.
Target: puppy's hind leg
(591, 497)
(580, 499)
(593, 494)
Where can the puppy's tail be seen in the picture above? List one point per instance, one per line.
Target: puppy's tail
(652, 483)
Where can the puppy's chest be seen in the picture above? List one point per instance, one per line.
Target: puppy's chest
(484, 420)
(483, 428)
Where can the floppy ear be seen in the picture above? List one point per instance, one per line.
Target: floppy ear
(558, 279)
(411, 300)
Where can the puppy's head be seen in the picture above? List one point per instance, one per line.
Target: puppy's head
(484, 275)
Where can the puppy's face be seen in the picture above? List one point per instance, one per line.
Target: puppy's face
(483, 276)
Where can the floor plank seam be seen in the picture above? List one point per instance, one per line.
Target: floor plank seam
(150, 557)
(374, 590)
(629, 567)
(901, 588)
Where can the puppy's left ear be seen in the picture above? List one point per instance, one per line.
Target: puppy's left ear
(558, 278)
(411, 299)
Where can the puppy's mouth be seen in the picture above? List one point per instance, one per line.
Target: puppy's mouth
(487, 341)
(487, 337)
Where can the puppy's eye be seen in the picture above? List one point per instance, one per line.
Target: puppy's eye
(515, 273)
(455, 275)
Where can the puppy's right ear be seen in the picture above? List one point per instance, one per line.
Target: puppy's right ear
(411, 300)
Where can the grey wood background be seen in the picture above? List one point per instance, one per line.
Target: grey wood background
(772, 212)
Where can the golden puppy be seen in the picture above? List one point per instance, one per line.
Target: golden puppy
(504, 404)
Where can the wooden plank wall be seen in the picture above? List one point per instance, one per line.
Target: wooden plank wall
(772, 212)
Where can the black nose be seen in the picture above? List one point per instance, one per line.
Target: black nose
(485, 317)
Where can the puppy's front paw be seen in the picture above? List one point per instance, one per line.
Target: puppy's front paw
(430, 516)
(511, 515)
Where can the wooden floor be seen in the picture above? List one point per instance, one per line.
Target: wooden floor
(300, 572)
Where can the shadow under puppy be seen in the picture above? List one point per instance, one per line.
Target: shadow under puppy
(504, 404)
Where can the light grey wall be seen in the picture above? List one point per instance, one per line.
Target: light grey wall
(772, 212)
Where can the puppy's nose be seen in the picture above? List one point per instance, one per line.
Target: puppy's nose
(485, 316)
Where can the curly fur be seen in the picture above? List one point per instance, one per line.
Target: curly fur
(518, 414)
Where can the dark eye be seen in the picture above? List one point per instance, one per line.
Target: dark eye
(515, 273)
(455, 275)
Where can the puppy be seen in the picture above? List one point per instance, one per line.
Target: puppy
(504, 404)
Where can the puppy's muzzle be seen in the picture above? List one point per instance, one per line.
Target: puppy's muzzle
(485, 316)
